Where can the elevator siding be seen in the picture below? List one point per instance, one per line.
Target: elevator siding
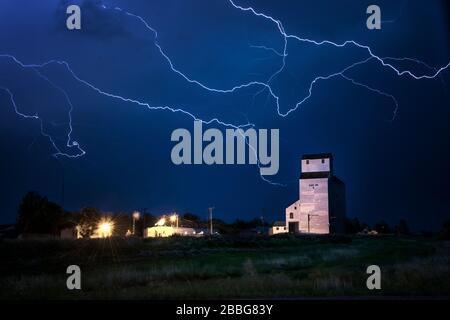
(314, 206)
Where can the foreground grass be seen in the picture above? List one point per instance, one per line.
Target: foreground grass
(176, 268)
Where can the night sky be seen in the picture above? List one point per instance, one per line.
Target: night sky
(393, 169)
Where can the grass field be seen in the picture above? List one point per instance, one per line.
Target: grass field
(174, 268)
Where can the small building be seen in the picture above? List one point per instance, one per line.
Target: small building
(321, 205)
(278, 227)
(168, 231)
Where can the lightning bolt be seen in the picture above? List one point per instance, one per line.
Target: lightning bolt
(260, 85)
(266, 85)
(383, 62)
(70, 143)
(102, 92)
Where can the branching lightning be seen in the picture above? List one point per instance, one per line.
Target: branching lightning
(70, 143)
(260, 86)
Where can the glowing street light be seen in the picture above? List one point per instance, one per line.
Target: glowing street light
(105, 229)
(136, 216)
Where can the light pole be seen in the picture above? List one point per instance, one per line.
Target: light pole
(210, 219)
(136, 216)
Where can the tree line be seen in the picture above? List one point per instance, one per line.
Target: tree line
(38, 215)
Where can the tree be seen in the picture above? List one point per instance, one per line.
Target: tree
(123, 222)
(382, 227)
(402, 227)
(240, 225)
(445, 232)
(353, 226)
(145, 221)
(191, 217)
(219, 226)
(87, 220)
(149, 220)
(38, 215)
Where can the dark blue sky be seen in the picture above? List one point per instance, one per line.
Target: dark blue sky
(392, 169)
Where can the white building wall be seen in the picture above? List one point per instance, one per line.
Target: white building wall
(278, 230)
(167, 231)
(314, 204)
(316, 165)
(293, 213)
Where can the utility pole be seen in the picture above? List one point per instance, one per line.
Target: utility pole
(210, 220)
(144, 221)
(62, 185)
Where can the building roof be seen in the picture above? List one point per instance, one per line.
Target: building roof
(279, 224)
(317, 156)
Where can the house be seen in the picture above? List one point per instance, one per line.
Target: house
(168, 231)
(278, 227)
(321, 205)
